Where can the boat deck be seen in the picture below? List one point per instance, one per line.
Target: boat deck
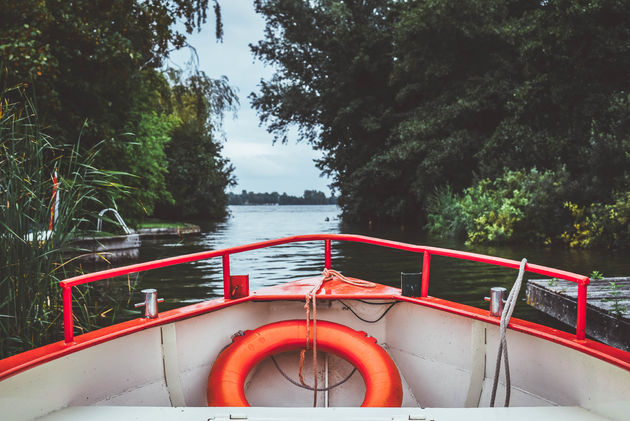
(108, 413)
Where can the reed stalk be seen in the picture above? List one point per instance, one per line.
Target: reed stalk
(32, 257)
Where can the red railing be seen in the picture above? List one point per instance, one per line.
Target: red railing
(67, 284)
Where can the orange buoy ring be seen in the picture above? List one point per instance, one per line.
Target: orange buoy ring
(383, 386)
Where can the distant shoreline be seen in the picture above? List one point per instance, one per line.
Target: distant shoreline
(310, 197)
(283, 204)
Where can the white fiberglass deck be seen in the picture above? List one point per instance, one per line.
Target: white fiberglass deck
(446, 363)
(105, 413)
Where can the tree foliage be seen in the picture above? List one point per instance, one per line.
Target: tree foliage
(95, 67)
(334, 60)
(198, 175)
(83, 58)
(404, 97)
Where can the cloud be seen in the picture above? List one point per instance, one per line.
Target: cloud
(259, 165)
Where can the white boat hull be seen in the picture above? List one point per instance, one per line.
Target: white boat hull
(445, 361)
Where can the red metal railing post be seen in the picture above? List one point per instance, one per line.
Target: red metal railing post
(426, 265)
(580, 324)
(227, 284)
(327, 263)
(68, 328)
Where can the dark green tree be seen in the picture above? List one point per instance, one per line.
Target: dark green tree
(566, 106)
(334, 60)
(404, 97)
(197, 173)
(82, 59)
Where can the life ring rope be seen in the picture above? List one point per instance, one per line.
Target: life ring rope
(380, 374)
(327, 275)
(320, 389)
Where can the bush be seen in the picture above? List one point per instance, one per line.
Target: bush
(599, 225)
(445, 214)
(519, 206)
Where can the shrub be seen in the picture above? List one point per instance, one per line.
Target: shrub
(599, 225)
(521, 205)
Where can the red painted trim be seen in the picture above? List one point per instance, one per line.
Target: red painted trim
(295, 291)
(426, 266)
(68, 327)
(227, 283)
(327, 252)
(596, 349)
(29, 359)
(580, 325)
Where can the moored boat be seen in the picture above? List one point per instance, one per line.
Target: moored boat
(328, 341)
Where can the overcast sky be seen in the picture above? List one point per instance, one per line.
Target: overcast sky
(260, 166)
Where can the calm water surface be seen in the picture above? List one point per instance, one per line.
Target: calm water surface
(457, 280)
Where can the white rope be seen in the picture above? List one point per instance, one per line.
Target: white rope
(505, 320)
(331, 274)
(311, 296)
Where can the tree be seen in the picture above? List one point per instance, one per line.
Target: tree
(404, 97)
(83, 58)
(197, 173)
(94, 69)
(572, 85)
(334, 59)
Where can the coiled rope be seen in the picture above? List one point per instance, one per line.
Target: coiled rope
(311, 296)
(505, 320)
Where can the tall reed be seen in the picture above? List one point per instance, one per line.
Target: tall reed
(31, 257)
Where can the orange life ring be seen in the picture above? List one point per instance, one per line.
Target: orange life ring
(226, 380)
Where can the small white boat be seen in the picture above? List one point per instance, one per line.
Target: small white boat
(417, 357)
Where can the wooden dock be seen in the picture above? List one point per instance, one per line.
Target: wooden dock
(607, 311)
(167, 232)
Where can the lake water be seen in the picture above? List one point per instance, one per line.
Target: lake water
(462, 281)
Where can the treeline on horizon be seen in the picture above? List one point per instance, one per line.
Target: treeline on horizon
(491, 120)
(309, 197)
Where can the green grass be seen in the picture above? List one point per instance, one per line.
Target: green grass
(156, 223)
(92, 234)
